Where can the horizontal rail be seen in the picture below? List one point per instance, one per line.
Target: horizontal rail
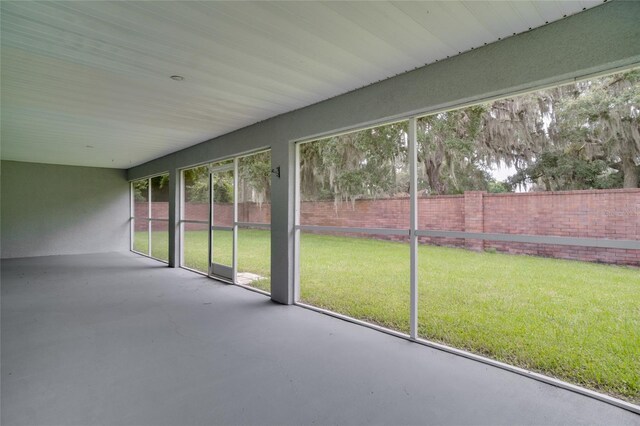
(222, 168)
(253, 225)
(239, 224)
(151, 219)
(535, 239)
(346, 229)
(221, 228)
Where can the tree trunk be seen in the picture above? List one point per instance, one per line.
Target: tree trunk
(433, 176)
(630, 171)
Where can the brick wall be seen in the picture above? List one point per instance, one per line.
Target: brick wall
(474, 217)
(247, 212)
(612, 214)
(159, 210)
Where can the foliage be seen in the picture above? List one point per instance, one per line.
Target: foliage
(594, 136)
(223, 188)
(196, 184)
(254, 175)
(447, 152)
(578, 136)
(496, 187)
(159, 189)
(254, 179)
(602, 122)
(365, 164)
(141, 190)
(565, 170)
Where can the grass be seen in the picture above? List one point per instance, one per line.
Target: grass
(573, 320)
(254, 251)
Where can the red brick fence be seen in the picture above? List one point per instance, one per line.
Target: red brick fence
(607, 214)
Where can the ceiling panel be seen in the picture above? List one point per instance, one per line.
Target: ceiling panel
(87, 83)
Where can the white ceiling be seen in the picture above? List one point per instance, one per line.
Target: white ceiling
(87, 83)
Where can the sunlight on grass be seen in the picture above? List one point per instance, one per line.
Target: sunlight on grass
(573, 320)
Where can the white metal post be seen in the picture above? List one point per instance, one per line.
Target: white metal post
(181, 217)
(234, 256)
(413, 224)
(149, 217)
(296, 223)
(210, 260)
(132, 210)
(173, 218)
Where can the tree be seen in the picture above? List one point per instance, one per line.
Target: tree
(141, 190)
(366, 164)
(448, 152)
(577, 136)
(254, 175)
(254, 180)
(602, 122)
(196, 184)
(559, 170)
(159, 189)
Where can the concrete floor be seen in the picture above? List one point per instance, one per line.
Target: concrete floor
(118, 339)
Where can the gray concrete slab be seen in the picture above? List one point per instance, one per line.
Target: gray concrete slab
(118, 339)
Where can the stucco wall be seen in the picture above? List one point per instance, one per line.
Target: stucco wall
(51, 210)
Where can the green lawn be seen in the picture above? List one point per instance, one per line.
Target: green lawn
(254, 251)
(573, 320)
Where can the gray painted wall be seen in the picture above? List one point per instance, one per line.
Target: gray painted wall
(50, 210)
(598, 40)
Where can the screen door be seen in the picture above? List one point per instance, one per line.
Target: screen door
(223, 222)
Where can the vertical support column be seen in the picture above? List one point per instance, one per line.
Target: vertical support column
(282, 223)
(413, 225)
(234, 261)
(132, 220)
(210, 238)
(175, 206)
(474, 218)
(296, 222)
(149, 223)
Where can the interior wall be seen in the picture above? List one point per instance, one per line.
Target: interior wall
(50, 209)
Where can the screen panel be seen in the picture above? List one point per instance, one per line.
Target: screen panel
(195, 246)
(354, 220)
